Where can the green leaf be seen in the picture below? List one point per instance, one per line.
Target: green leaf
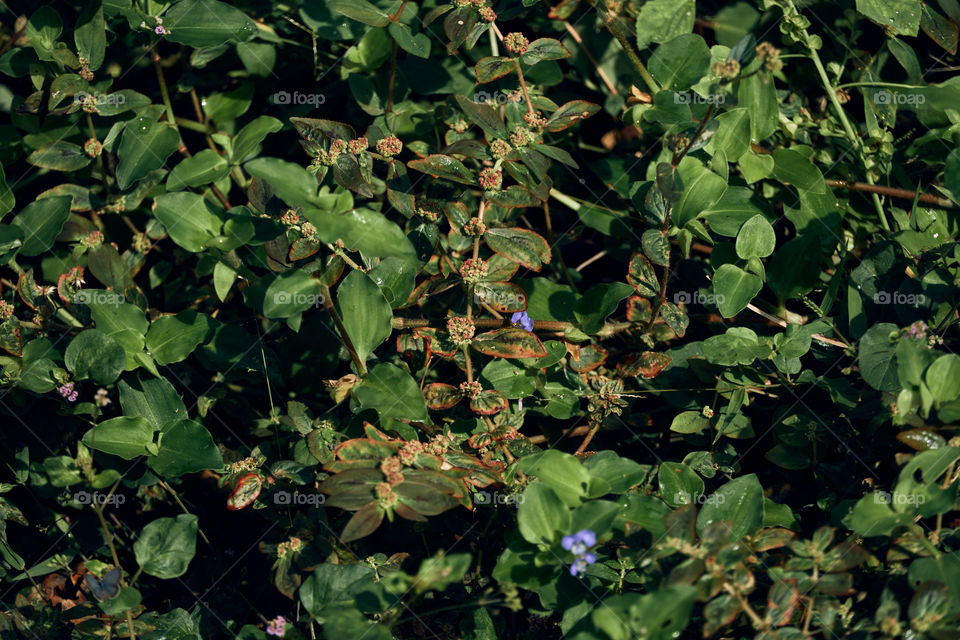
(680, 62)
(943, 378)
(446, 167)
(544, 49)
(248, 140)
(878, 357)
(41, 222)
(689, 422)
(366, 313)
(127, 437)
(361, 11)
(642, 277)
(733, 134)
(90, 35)
(509, 342)
(759, 96)
(484, 116)
(509, 379)
(185, 447)
(738, 345)
(205, 167)
(95, 355)
(679, 484)
(393, 393)
(291, 293)
(152, 398)
(492, 67)
(7, 199)
(739, 501)
(656, 246)
(60, 156)
(756, 238)
(734, 289)
(207, 23)
(570, 113)
(368, 232)
(331, 587)
(560, 471)
(519, 245)
(172, 338)
(43, 29)
(292, 183)
(902, 17)
(166, 546)
(663, 20)
(189, 219)
(146, 144)
(702, 189)
(417, 44)
(542, 517)
(598, 302)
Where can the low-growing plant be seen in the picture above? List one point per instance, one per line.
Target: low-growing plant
(376, 319)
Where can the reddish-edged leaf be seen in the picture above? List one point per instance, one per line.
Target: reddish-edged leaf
(441, 396)
(500, 269)
(942, 31)
(347, 173)
(426, 498)
(563, 10)
(489, 403)
(675, 317)
(656, 246)
(315, 130)
(303, 248)
(772, 539)
(845, 555)
(366, 448)
(520, 245)
(545, 49)
(247, 490)
(438, 342)
(921, 439)
(458, 25)
(638, 309)
(718, 613)
(484, 116)
(492, 67)
(647, 364)
(513, 197)
(10, 339)
(641, 276)
(505, 297)
(589, 358)
(364, 522)
(27, 288)
(446, 167)
(509, 342)
(781, 601)
(571, 113)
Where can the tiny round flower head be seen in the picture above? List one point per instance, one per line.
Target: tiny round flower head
(729, 69)
(473, 270)
(290, 217)
(6, 309)
(389, 146)
(93, 240)
(474, 227)
(500, 148)
(461, 330)
(471, 389)
(487, 14)
(308, 230)
(516, 43)
(535, 119)
(460, 125)
(522, 136)
(277, 626)
(491, 179)
(92, 147)
(358, 145)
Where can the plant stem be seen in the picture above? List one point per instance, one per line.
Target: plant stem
(620, 32)
(523, 85)
(172, 119)
(347, 342)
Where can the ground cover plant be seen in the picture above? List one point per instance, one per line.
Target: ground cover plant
(487, 320)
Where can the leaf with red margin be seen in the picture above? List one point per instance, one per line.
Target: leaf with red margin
(675, 317)
(718, 613)
(67, 285)
(315, 129)
(505, 297)
(638, 309)
(589, 358)
(520, 245)
(480, 440)
(571, 113)
(10, 339)
(647, 364)
(27, 287)
(247, 490)
(364, 522)
(303, 248)
(441, 396)
(641, 276)
(500, 269)
(438, 342)
(772, 539)
(492, 67)
(509, 342)
(446, 167)
(781, 601)
(366, 449)
(489, 403)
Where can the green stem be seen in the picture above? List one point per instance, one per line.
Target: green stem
(616, 28)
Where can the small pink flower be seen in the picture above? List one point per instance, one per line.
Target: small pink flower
(277, 626)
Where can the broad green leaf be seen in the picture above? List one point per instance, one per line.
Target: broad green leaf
(544, 49)
(598, 302)
(656, 246)
(490, 68)
(738, 345)
(90, 35)
(331, 587)
(363, 230)
(207, 23)
(878, 353)
(680, 62)
(702, 188)
(146, 144)
(734, 289)
(290, 294)
(152, 398)
(205, 167)
(172, 338)
(365, 312)
(519, 245)
(758, 95)
(484, 116)
(292, 183)
(902, 17)
(41, 222)
(756, 238)
(361, 11)
(189, 219)
(733, 134)
(943, 378)
(417, 44)
(95, 355)
(562, 472)
(509, 342)
(393, 393)
(446, 167)
(510, 379)
(248, 140)
(126, 437)
(166, 546)
(7, 199)
(185, 447)
(679, 484)
(42, 30)
(739, 501)
(663, 20)
(60, 156)
(542, 517)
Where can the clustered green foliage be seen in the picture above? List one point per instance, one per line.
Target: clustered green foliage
(373, 319)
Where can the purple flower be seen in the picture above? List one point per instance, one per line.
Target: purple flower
(521, 318)
(277, 626)
(578, 544)
(68, 392)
